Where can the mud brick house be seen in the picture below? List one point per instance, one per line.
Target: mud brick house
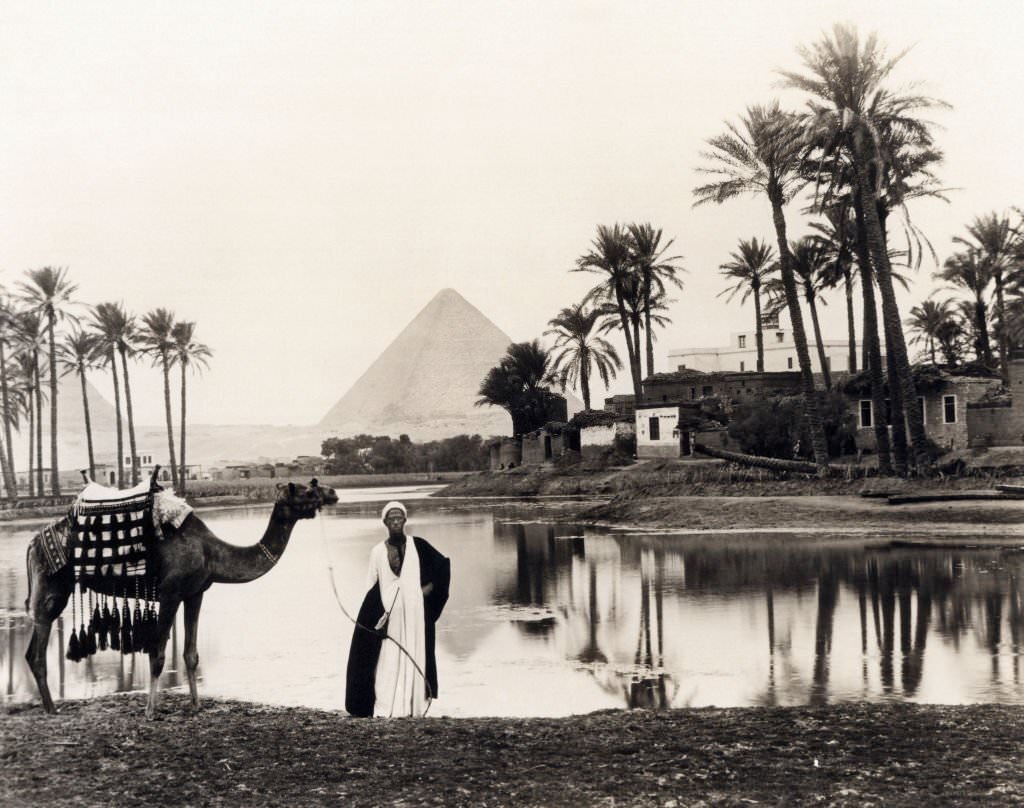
(551, 441)
(998, 419)
(598, 430)
(505, 453)
(691, 385)
(956, 409)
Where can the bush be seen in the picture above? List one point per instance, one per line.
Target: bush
(776, 427)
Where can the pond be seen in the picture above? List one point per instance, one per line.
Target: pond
(551, 619)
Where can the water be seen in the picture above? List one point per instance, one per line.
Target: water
(551, 619)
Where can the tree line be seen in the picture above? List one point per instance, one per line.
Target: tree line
(380, 454)
(852, 160)
(45, 333)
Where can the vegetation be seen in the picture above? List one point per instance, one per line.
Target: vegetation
(368, 454)
(581, 351)
(43, 335)
(521, 384)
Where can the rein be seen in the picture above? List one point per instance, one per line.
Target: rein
(383, 634)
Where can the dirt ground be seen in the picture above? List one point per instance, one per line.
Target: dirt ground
(103, 752)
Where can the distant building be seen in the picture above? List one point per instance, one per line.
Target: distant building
(691, 385)
(740, 355)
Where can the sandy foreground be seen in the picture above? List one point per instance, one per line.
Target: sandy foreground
(103, 752)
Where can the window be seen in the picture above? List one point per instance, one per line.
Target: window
(949, 409)
(693, 393)
(780, 336)
(743, 340)
(742, 366)
(655, 428)
(789, 362)
(707, 391)
(865, 413)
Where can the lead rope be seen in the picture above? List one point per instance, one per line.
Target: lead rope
(358, 625)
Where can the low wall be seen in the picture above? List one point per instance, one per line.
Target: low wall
(995, 426)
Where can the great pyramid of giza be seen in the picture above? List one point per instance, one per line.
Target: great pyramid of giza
(425, 382)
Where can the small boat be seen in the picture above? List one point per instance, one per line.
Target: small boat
(1011, 490)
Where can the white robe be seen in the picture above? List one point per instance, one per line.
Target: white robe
(400, 688)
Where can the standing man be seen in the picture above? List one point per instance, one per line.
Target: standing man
(392, 668)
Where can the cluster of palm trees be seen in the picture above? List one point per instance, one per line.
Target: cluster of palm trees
(44, 334)
(631, 297)
(988, 270)
(858, 153)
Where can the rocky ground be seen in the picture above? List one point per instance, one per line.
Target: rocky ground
(103, 752)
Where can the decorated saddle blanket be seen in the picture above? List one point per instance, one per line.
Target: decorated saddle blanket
(110, 533)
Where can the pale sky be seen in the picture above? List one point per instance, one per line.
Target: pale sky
(302, 178)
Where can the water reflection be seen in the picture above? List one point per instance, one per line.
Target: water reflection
(549, 619)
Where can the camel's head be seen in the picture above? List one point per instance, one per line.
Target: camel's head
(302, 501)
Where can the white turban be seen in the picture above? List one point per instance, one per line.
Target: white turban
(394, 505)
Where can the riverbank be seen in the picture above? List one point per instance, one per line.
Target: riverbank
(103, 752)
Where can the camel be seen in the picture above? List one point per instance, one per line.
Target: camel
(191, 559)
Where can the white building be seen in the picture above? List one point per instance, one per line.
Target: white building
(741, 354)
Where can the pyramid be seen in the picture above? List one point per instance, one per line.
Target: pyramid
(425, 382)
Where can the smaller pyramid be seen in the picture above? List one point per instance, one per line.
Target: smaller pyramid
(425, 382)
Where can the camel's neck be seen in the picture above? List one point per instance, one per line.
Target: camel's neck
(230, 564)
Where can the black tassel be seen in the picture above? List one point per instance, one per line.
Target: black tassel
(99, 637)
(126, 629)
(147, 631)
(104, 626)
(74, 650)
(138, 630)
(114, 627)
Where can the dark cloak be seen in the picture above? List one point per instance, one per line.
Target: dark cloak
(360, 693)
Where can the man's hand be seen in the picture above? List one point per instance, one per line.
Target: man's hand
(428, 588)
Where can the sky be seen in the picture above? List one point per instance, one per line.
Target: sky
(300, 179)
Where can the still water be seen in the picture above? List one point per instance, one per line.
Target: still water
(551, 619)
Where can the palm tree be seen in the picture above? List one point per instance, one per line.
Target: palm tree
(580, 349)
(998, 245)
(27, 389)
(110, 322)
(187, 354)
(8, 323)
(648, 256)
(519, 384)
(612, 256)
(930, 322)
(80, 352)
(966, 270)
(47, 292)
(157, 341)
(31, 338)
(810, 264)
(752, 264)
(848, 79)
(764, 158)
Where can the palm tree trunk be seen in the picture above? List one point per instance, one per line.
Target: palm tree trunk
(636, 341)
(631, 350)
(117, 412)
(31, 445)
(1004, 343)
(183, 476)
(898, 408)
(12, 491)
(890, 312)
(872, 345)
(131, 419)
(982, 346)
(647, 321)
(88, 423)
(758, 330)
(5, 468)
(815, 425)
(851, 327)
(585, 381)
(55, 476)
(170, 424)
(822, 359)
(40, 487)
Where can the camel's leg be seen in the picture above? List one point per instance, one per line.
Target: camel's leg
(192, 607)
(168, 610)
(49, 595)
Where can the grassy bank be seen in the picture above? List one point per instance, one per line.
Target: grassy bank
(102, 752)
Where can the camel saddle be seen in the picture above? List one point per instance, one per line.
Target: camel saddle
(109, 534)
